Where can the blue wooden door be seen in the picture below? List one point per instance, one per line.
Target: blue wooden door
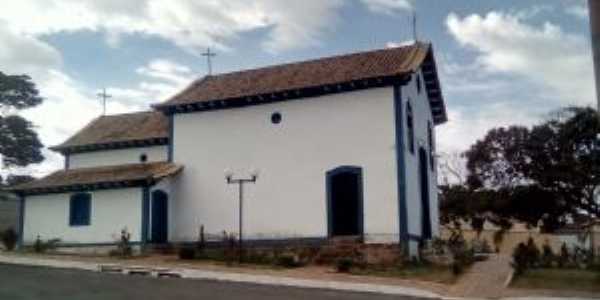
(160, 212)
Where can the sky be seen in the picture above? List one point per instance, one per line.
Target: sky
(501, 62)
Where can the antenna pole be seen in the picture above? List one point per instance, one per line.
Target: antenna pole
(414, 25)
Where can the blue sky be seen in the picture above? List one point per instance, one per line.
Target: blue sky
(501, 61)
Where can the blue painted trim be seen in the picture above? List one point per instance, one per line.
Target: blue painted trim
(400, 165)
(171, 131)
(21, 229)
(361, 213)
(145, 213)
(67, 161)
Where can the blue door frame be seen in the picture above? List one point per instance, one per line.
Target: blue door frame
(160, 217)
(357, 171)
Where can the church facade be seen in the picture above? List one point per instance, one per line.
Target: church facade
(339, 146)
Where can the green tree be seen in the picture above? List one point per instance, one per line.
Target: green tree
(19, 143)
(543, 174)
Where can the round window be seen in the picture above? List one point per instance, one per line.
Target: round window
(143, 157)
(276, 118)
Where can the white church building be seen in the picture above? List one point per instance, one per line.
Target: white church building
(343, 145)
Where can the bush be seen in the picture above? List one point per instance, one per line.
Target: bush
(564, 257)
(344, 264)
(9, 239)
(187, 253)
(520, 261)
(288, 261)
(124, 246)
(533, 254)
(462, 255)
(548, 256)
(41, 246)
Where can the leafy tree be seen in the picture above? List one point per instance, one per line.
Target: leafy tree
(19, 143)
(539, 175)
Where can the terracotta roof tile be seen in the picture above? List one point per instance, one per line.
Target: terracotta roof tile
(101, 176)
(105, 130)
(312, 73)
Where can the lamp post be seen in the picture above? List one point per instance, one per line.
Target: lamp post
(240, 182)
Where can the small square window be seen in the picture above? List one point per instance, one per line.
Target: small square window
(143, 158)
(80, 209)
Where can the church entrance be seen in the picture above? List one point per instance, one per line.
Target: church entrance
(345, 202)
(160, 213)
(425, 201)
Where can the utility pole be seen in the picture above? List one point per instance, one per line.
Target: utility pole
(594, 7)
(240, 182)
(209, 55)
(104, 96)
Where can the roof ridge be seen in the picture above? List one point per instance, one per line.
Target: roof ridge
(287, 64)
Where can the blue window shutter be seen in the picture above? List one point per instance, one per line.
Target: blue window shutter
(80, 209)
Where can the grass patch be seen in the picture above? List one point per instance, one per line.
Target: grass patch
(423, 272)
(559, 279)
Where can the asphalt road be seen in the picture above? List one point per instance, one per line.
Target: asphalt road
(34, 283)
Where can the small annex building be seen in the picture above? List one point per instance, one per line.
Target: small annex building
(345, 146)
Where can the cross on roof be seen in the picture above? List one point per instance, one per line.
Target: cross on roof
(104, 96)
(209, 55)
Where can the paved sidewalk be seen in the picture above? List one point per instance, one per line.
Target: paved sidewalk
(485, 279)
(235, 277)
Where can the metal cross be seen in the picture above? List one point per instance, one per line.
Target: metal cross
(209, 55)
(104, 96)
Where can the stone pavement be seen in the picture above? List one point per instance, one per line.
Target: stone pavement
(485, 279)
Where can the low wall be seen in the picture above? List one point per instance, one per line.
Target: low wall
(513, 238)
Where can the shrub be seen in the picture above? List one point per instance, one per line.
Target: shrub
(344, 264)
(564, 257)
(124, 246)
(533, 254)
(548, 256)
(288, 261)
(9, 239)
(462, 255)
(41, 246)
(187, 253)
(520, 257)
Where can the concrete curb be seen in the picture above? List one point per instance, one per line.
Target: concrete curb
(238, 277)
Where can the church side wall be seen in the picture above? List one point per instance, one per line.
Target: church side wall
(289, 199)
(111, 210)
(422, 115)
(117, 157)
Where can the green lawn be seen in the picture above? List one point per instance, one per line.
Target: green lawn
(422, 272)
(559, 279)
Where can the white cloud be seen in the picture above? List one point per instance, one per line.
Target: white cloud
(578, 10)
(191, 25)
(388, 6)
(546, 55)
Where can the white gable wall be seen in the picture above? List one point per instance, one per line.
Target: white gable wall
(117, 157)
(289, 200)
(422, 115)
(111, 210)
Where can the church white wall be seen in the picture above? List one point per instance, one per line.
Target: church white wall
(111, 211)
(422, 115)
(289, 199)
(117, 157)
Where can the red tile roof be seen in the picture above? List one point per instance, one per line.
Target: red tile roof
(117, 130)
(391, 62)
(100, 177)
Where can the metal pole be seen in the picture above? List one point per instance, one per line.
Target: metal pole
(594, 7)
(241, 221)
